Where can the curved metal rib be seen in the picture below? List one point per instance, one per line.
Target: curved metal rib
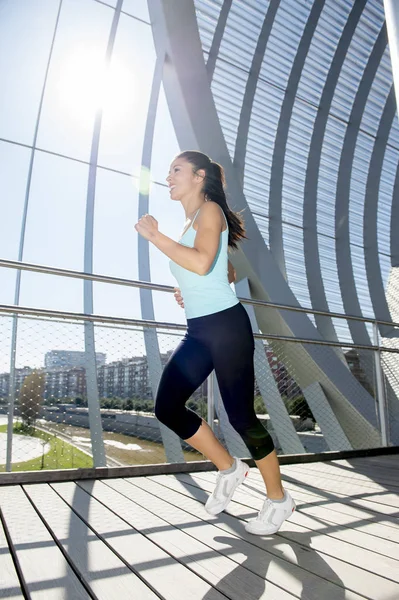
(277, 169)
(250, 89)
(395, 221)
(197, 125)
(20, 256)
(343, 251)
(310, 240)
(171, 442)
(373, 268)
(97, 441)
(217, 38)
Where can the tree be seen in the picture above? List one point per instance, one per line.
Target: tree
(259, 406)
(31, 398)
(298, 406)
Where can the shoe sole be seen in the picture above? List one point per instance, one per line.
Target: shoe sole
(213, 514)
(273, 531)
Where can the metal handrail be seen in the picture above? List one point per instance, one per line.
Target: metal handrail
(58, 314)
(14, 264)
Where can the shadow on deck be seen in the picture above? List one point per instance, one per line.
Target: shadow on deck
(149, 537)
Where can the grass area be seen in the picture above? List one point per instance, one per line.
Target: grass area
(118, 445)
(61, 455)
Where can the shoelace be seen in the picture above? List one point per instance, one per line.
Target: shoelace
(265, 508)
(217, 490)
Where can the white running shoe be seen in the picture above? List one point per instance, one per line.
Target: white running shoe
(226, 485)
(271, 516)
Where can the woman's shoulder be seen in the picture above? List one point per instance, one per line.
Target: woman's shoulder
(209, 215)
(211, 210)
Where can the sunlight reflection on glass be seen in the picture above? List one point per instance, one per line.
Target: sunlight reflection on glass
(141, 180)
(86, 84)
(145, 181)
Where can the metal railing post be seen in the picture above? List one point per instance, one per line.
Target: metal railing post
(381, 399)
(11, 395)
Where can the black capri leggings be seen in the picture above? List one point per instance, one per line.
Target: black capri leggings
(222, 341)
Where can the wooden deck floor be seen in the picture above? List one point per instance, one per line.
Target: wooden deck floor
(150, 537)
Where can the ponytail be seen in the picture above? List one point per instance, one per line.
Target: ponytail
(214, 189)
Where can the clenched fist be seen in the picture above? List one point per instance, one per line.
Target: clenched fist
(147, 227)
(178, 297)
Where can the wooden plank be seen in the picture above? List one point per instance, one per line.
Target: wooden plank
(255, 557)
(378, 495)
(9, 581)
(346, 541)
(306, 489)
(46, 573)
(245, 559)
(364, 535)
(379, 473)
(308, 493)
(343, 515)
(351, 528)
(341, 472)
(116, 526)
(381, 523)
(185, 543)
(104, 573)
(311, 493)
(326, 549)
(386, 461)
(344, 485)
(343, 502)
(391, 462)
(370, 501)
(337, 474)
(58, 475)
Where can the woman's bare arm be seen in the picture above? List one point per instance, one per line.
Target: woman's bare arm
(198, 259)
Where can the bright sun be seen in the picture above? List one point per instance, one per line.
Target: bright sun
(86, 84)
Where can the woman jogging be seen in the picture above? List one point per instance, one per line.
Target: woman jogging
(219, 336)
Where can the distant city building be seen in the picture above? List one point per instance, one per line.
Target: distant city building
(65, 383)
(56, 359)
(4, 385)
(61, 383)
(126, 378)
(20, 375)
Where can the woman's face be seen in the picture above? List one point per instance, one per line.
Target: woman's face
(182, 180)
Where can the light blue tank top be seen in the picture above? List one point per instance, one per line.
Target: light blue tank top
(205, 294)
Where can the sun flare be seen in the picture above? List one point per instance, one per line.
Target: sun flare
(87, 84)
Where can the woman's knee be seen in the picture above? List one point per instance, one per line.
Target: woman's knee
(185, 423)
(256, 438)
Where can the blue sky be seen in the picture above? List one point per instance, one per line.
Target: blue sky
(77, 79)
(57, 201)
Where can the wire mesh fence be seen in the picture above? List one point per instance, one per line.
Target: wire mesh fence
(50, 390)
(48, 418)
(390, 370)
(327, 416)
(300, 408)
